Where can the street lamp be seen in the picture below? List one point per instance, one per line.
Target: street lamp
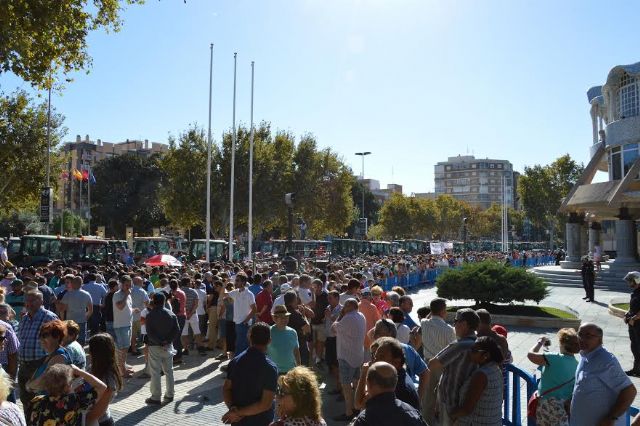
(464, 236)
(363, 154)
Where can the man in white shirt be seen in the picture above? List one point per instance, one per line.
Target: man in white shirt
(284, 288)
(122, 318)
(244, 309)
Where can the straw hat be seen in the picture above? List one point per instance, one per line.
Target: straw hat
(280, 311)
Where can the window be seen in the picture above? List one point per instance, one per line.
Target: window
(499, 166)
(448, 168)
(615, 164)
(629, 155)
(492, 166)
(473, 166)
(628, 97)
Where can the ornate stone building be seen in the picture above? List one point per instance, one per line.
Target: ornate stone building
(613, 205)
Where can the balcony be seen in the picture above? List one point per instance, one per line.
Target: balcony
(623, 131)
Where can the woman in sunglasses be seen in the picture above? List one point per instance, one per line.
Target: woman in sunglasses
(298, 398)
(482, 392)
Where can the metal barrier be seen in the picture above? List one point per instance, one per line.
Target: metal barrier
(513, 410)
(532, 262)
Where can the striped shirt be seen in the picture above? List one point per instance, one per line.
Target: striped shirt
(488, 409)
(29, 334)
(11, 343)
(456, 370)
(436, 335)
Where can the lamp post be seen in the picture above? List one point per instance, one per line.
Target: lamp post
(363, 154)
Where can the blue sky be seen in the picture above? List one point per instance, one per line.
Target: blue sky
(411, 81)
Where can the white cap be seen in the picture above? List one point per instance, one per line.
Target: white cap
(633, 276)
(285, 288)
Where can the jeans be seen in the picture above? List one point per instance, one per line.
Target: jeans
(242, 340)
(82, 336)
(94, 320)
(160, 360)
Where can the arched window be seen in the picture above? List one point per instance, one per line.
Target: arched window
(628, 97)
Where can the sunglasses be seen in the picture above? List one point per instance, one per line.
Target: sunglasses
(282, 393)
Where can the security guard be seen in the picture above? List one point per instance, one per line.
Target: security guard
(632, 319)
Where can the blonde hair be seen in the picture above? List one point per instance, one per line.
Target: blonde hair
(6, 384)
(399, 290)
(301, 383)
(376, 290)
(568, 339)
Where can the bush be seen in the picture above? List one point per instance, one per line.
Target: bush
(491, 282)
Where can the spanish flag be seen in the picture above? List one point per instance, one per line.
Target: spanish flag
(77, 175)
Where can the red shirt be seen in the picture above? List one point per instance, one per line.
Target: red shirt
(264, 298)
(182, 299)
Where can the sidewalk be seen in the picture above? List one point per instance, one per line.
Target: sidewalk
(198, 397)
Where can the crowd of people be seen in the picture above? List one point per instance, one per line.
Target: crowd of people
(66, 335)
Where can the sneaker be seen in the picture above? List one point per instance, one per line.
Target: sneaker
(633, 373)
(167, 399)
(224, 368)
(152, 401)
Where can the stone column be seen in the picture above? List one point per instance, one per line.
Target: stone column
(625, 238)
(594, 235)
(572, 238)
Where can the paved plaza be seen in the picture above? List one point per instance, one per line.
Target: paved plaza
(198, 398)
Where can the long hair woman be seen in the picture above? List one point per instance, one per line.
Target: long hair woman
(102, 350)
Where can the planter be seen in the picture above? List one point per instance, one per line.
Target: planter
(529, 321)
(617, 312)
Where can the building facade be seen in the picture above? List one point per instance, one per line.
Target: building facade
(82, 155)
(381, 194)
(610, 207)
(480, 182)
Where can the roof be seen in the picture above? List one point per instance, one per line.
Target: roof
(616, 72)
(594, 92)
(593, 194)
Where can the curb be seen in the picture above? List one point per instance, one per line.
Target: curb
(526, 321)
(616, 312)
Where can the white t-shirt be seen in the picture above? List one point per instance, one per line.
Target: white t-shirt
(279, 301)
(305, 295)
(122, 318)
(242, 301)
(202, 301)
(143, 315)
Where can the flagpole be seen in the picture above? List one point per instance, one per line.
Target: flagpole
(251, 172)
(233, 159)
(89, 201)
(208, 230)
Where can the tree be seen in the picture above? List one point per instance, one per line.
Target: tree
(72, 224)
(23, 150)
(20, 222)
(371, 205)
(542, 189)
(126, 193)
(451, 211)
(40, 38)
(396, 216)
(183, 193)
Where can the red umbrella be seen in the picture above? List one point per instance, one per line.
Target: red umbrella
(162, 260)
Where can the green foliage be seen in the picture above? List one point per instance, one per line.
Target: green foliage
(43, 37)
(491, 282)
(72, 224)
(23, 150)
(542, 189)
(183, 193)
(126, 193)
(20, 223)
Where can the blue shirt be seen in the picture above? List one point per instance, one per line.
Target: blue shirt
(255, 289)
(97, 292)
(283, 343)
(415, 364)
(250, 373)
(406, 390)
(29, 335)
(599, 380)
(409, 322)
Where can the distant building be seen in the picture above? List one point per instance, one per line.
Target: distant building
(426, 195)
(83, 155)
(477, 181)
(381, 194)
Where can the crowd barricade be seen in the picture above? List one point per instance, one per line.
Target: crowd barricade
(532, 262)
(514, 405)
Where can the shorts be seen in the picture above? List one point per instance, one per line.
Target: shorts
(123, 337)
(319, 332)
(348, 374)
(331, 352)
(192, 322)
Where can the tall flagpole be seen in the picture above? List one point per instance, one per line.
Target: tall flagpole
(89, 200)
(251, 172)
(208, 230)
(233, 159)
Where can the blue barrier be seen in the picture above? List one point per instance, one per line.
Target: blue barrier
(513, 411)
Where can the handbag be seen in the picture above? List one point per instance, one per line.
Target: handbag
(532, 405)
